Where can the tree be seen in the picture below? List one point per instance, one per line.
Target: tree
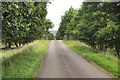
(96, 23)
(24, 22)
(51, 36)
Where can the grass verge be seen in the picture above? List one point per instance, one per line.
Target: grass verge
(24, 62)
(103, 59)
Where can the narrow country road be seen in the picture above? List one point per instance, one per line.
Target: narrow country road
(61, 62)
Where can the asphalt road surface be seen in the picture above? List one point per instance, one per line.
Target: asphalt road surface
(61, 62)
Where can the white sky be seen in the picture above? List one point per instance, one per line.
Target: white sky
(58, 7)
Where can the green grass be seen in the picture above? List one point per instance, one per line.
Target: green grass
(10, 52)
(103, 59)
(24, 62)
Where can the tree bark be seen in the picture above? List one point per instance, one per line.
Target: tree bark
(101, 47)
(105, 48)
(19, 44)
(16, 44)
(9, 44)
(118, 52)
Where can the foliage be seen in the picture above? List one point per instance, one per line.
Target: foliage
(51, 36)
(24, 22)
(96, 23)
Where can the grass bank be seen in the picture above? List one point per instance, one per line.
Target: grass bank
(24, 62)
(103, 59)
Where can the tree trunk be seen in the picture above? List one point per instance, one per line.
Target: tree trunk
(19, 44)
(93, 45)
(9, 44)
(67, 37)
(105, 48)
(117, 50)
(101, 47)
(118, 54)
(16, 44)
(23, 44)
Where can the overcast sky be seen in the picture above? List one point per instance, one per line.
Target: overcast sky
(58, 7)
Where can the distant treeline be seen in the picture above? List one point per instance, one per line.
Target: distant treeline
(23, 22)
(96, 23)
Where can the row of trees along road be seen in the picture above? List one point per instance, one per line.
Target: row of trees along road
(96, 23)
(23, 22)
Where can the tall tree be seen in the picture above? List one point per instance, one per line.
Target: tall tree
(23, 22)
